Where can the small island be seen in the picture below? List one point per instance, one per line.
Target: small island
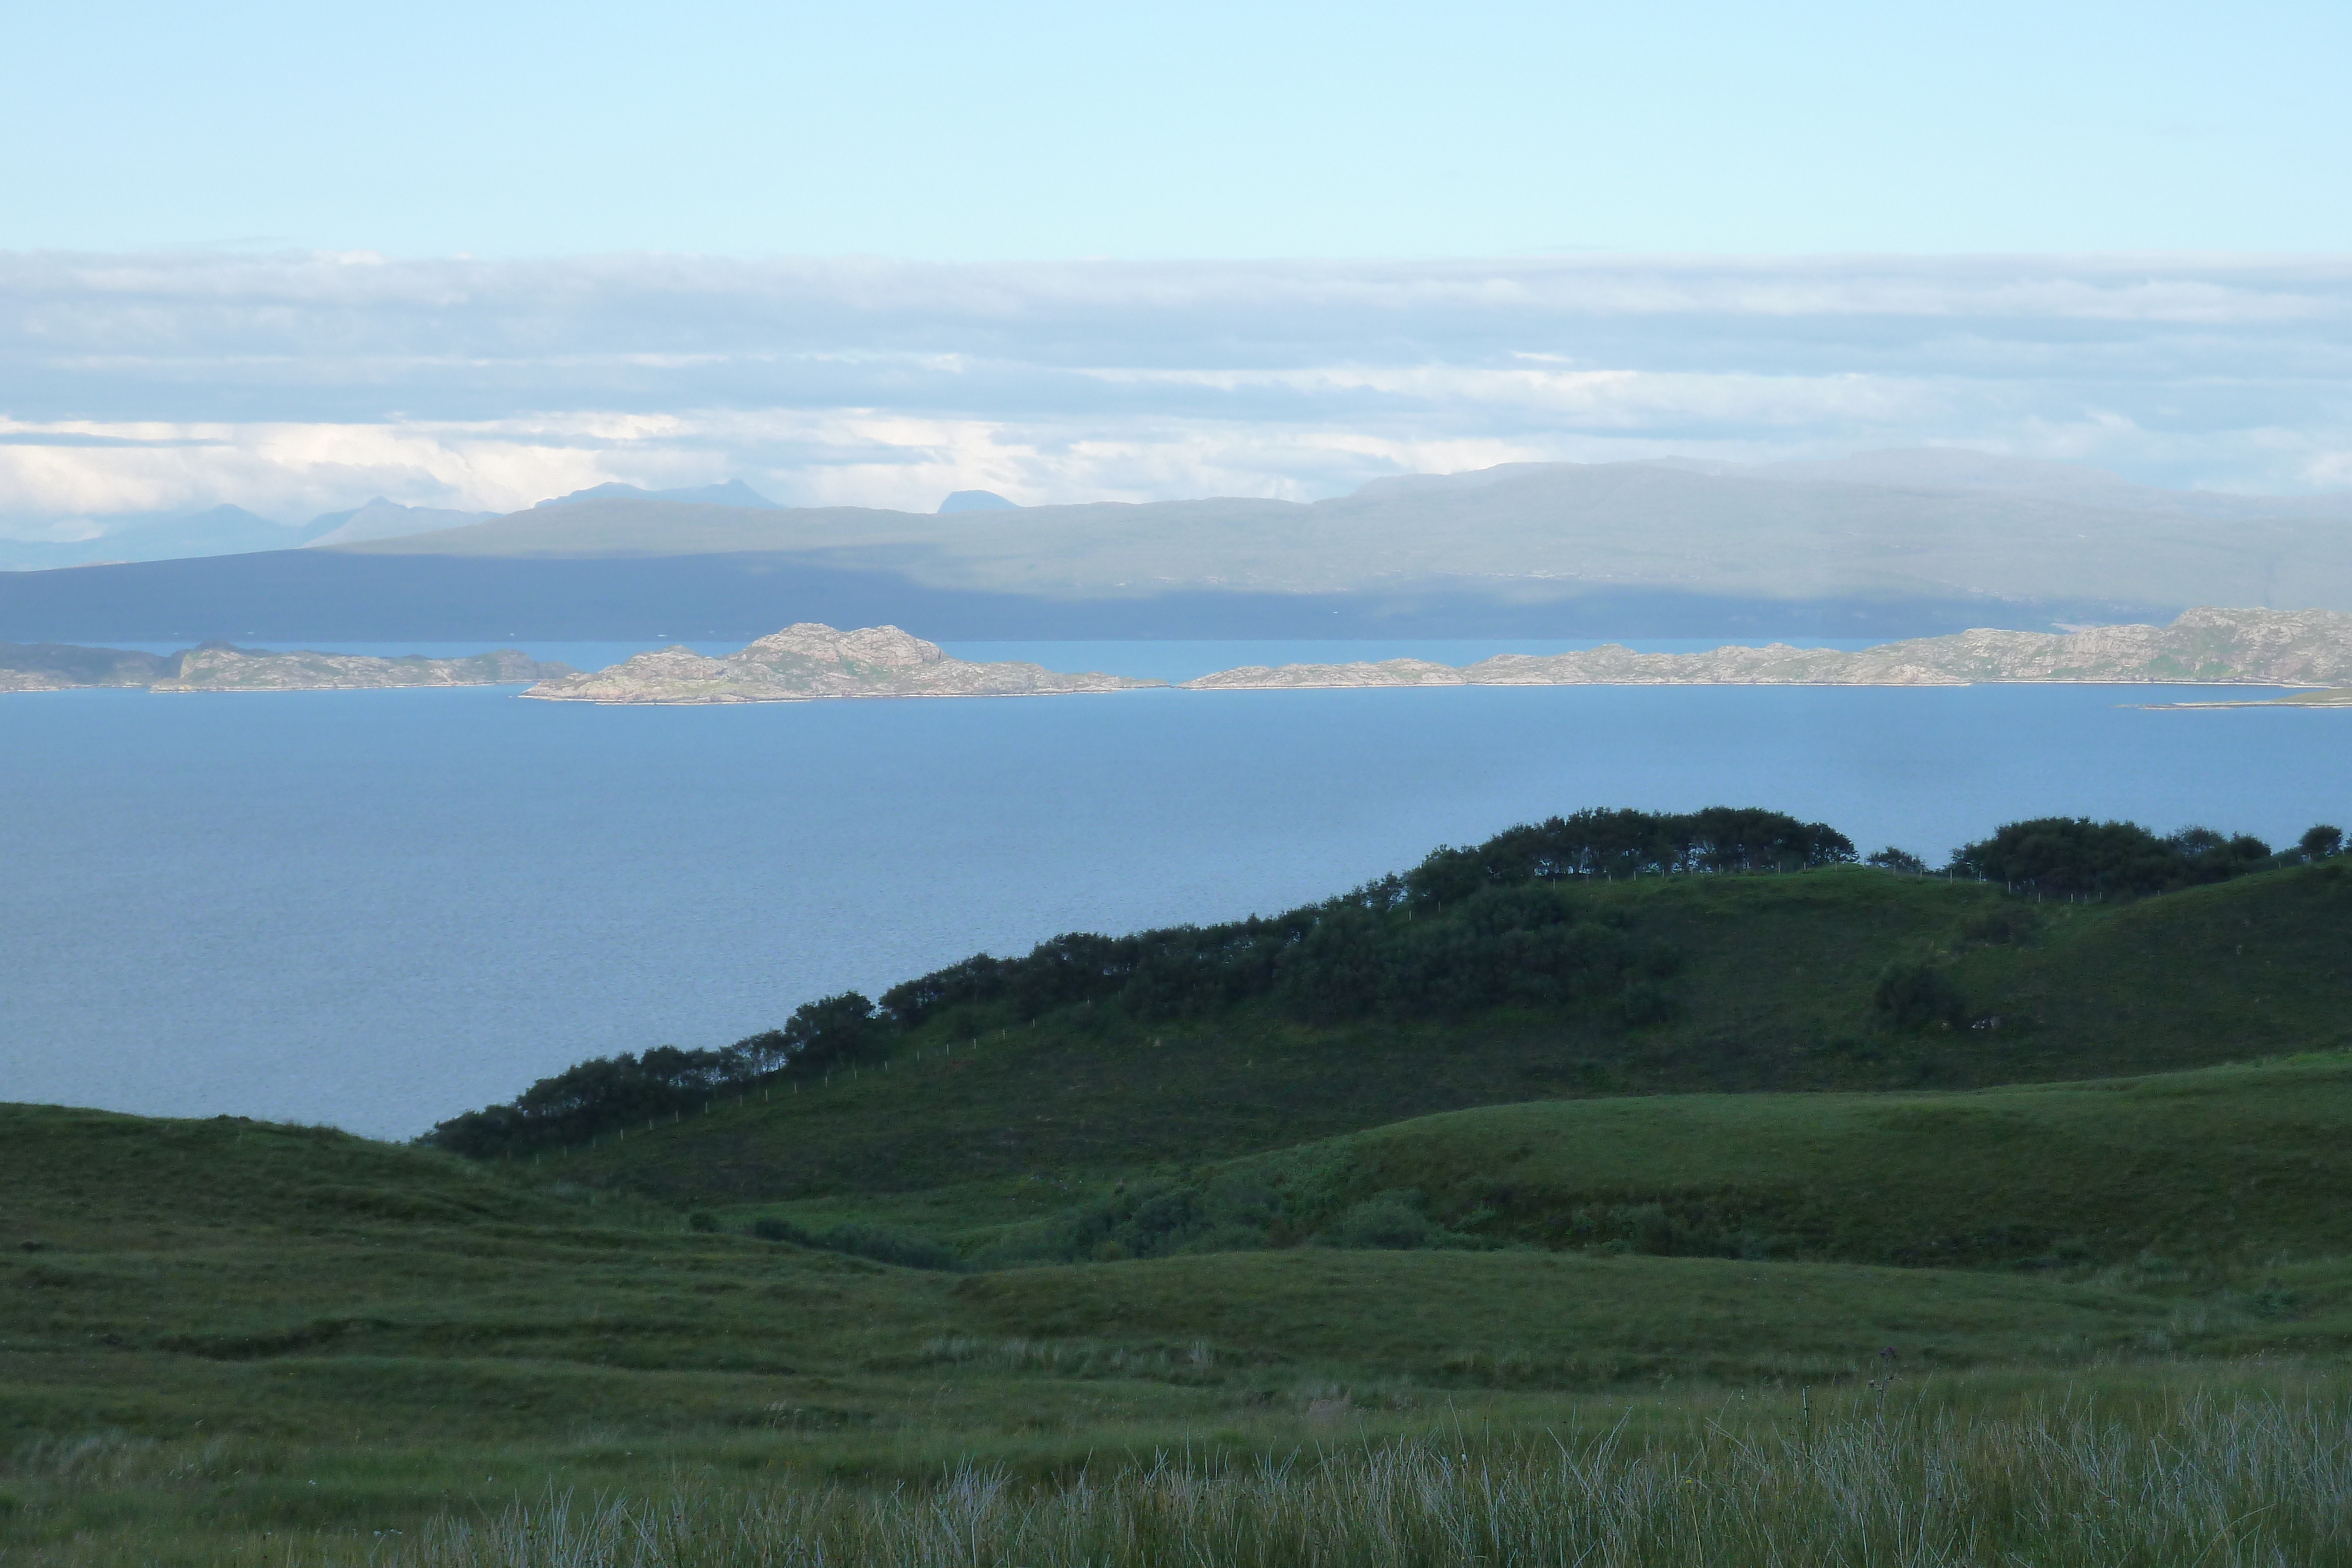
(809, 660)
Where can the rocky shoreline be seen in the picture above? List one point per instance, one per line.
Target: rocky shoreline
(809, 662)
(2204, 646)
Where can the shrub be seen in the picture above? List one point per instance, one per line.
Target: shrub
(1917, 995)
(2075, 856)
(1391, 1221)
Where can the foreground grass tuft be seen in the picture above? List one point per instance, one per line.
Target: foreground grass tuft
(2242, 1483)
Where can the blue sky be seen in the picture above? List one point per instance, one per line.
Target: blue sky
(1052, 130)
(291, 257)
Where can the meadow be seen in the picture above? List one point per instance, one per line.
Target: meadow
(1774, 1274)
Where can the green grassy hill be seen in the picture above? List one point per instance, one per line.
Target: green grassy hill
(1775, 990)
(2218, 1170)
(221, 1338)
(291, 1283)
(1243, 1230)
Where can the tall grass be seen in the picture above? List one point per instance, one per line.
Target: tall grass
(2203, 1483)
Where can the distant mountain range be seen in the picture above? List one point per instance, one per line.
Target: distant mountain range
(233, 530)
(1883, 545)
(229, 530)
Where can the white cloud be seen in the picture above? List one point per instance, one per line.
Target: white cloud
(297, 383)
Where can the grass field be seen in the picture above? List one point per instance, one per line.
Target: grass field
(1231, 1288)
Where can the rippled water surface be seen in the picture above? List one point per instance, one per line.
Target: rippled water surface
(379, 908)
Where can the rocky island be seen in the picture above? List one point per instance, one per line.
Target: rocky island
(223, 668)
(809, 660)
(2226, 647)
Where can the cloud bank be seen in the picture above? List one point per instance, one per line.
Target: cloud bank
(300, 383)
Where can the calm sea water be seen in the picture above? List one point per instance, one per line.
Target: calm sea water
(380, 908)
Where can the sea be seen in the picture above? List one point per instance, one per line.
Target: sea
(379, 909)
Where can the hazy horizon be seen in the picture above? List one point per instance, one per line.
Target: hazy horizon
(299, 385)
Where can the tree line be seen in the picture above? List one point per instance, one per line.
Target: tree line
(2075, 857)
(1510, 921)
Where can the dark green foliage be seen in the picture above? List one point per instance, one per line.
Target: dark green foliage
(1892, 858)
(609, 1092)
(1155, 1219)
(1274, 1205)
(2009, 922)
(1517, 947)
(596, 1097)
(1917, 995)
(2320, 842)
(1612, 844)
(2075, 857)
(829, 1032)
(1506, 939)
(1391, 1221)
(1317, 961)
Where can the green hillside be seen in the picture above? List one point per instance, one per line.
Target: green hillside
(1777, 986)
(219, 1340)
(278, 1281)
(2211, 1173)
(1475, 1166)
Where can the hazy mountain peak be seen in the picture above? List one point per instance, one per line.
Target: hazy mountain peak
(383, 519)
(733, 492)
(157, 536)
(1467, 479)
(977, 501)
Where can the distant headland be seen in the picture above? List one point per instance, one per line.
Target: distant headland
(2226, 647)
(221, 667)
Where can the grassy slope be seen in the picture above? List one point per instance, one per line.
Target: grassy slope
(1775, 994)
(2228, 1166)
(222, 1329)
(154, 1254)
(1548, 1320)
(275, 1280)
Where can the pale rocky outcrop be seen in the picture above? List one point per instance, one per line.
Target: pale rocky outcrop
(809, 660)
(2244, 647)
(217, 667)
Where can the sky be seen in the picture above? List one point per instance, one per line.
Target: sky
(290, 257)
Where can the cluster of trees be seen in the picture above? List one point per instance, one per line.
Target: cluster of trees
(609, 1092)
(2075, 857)
(1496, 922)
(1352, 957)
(1610, 844)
